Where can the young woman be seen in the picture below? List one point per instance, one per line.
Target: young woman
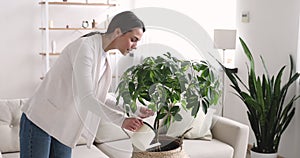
(70, 101)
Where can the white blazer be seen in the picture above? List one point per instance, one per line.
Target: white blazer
(71, 94)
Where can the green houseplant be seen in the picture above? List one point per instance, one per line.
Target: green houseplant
(268, 112)
(167, 85)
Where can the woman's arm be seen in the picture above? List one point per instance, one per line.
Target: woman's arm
(84, 87)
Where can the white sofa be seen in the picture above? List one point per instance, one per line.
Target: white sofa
(230, 138)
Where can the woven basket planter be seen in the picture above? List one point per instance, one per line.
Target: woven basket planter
(170, 148)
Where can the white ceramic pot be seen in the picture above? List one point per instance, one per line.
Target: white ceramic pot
(262, 155)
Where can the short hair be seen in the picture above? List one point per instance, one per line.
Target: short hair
(126, 21)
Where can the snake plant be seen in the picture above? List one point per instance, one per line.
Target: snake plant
(269, 112)
(167, 84)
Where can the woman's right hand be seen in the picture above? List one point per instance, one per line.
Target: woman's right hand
(132, 124)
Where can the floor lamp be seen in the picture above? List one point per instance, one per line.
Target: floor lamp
(224, 39)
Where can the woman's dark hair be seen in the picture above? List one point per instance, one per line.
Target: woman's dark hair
(91, 34)
(126, 21)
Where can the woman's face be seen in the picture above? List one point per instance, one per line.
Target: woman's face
(128, 41)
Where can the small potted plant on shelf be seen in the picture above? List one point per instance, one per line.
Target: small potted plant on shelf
(268, 112)
(167, 85)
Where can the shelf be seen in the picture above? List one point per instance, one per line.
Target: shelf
(57, 54)
(50, 54)
(64, 29)
(45, 5)
(78, 3)
(44, 77)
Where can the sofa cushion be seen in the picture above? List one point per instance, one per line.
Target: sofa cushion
(10, 114)
(11, 155)
(117, 149)
(81, 151)
(194, 148)
(207, 149)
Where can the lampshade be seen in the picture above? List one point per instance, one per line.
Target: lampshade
(224, 39)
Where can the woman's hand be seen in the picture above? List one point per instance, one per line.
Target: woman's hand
(132, 124)
(145, 112)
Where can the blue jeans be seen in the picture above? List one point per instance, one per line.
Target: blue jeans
(36, 143)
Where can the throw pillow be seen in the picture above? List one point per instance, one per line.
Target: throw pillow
(200, 125)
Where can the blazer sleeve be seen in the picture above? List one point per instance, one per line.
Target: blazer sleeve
(83, 87)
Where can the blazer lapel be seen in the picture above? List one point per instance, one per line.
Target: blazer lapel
(104, 82)
(97, 71)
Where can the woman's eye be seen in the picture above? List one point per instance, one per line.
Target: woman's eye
(134, 39)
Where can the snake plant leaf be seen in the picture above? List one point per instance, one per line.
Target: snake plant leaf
(248, 54)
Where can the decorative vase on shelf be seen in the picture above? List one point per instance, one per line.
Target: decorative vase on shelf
(94, 23)
(53, 46)
(85, 24)
(262, 155)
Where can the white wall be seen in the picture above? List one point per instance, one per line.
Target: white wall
(21, 66)
(21, 40)
(19, 48)
(273, 33)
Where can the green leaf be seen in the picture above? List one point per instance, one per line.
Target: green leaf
(152, 107)
(174, 110)
(195, 109)
(178, 117)
(161, 115)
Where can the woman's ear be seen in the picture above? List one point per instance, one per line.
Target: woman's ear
(117, 32)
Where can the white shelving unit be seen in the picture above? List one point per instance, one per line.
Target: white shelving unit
(46, 30)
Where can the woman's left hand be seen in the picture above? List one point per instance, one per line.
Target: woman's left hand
(145, 112)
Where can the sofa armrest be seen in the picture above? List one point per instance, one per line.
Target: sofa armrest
(231, 132)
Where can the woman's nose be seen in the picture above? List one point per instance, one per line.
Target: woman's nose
(134, 46)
